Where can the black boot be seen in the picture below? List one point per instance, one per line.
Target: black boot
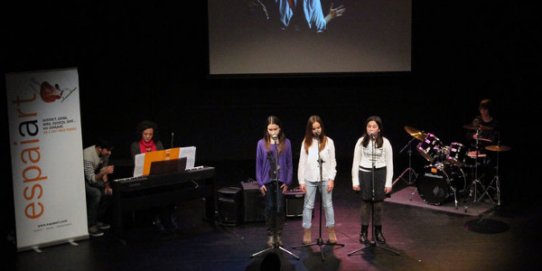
(363, 235)
(379, 236)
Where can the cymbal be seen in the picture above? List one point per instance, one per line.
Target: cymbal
(479, 127)
(498, 148)
(419, 135)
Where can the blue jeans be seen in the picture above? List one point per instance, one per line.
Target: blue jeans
(97, 203)
(327, 203)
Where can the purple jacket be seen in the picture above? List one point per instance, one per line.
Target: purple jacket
(265, 157)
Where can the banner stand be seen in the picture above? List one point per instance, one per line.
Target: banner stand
(46, 158)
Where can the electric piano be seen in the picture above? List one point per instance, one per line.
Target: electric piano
(144, 192)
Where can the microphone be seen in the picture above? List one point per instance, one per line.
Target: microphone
(172, 136)
(373, 135)
(317, 132)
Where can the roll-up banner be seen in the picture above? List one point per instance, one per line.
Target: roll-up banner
(46, 157)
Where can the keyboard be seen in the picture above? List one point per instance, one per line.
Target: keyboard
(132, 179)
(143, 192)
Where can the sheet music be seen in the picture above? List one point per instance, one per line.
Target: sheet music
(190, 154)
(139, 161)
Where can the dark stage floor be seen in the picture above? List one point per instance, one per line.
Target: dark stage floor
(503, 239)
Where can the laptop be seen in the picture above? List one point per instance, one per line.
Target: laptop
(168, 166)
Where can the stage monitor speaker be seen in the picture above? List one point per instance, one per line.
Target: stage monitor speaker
(294, 202)
(253, 202)
(229, 206)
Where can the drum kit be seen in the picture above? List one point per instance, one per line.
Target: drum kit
(444, 178)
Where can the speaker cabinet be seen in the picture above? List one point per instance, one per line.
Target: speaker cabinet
(229, 205)
(253, 202)
(294, 203)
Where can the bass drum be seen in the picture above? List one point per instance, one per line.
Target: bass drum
(437, 184)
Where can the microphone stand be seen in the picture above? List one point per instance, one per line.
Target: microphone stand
(373, 243)
(319, 241)
(276, 186)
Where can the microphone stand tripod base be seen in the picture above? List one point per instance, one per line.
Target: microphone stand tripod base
(320, 242)
(274, 247)
(275, 244)
(372, 245)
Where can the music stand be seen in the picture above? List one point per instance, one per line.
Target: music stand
(276, 187)
(373, 243)
(319, 241)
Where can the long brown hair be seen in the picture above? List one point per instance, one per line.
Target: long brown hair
(309, 135)
(267, 137)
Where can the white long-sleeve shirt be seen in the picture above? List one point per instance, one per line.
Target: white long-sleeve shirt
(363, 158)
(308, 169)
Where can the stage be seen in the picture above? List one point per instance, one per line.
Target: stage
(410, 196)
(427, 238)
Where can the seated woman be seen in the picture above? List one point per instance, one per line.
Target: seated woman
(163, 217)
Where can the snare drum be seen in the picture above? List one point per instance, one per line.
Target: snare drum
(430, 147)
(476, 159)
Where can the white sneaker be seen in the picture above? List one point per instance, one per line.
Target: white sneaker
(102, 226)
(94, 231)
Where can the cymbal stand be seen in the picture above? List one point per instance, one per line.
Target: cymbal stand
(495, 184)
(476, 182)
(411, 172)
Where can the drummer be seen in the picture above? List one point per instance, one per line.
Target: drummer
(487, 120)
(485, 128)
